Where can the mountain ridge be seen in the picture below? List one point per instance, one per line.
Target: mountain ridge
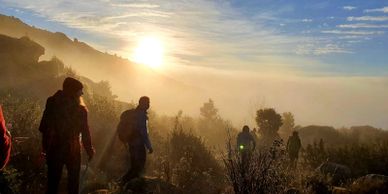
(127, 79)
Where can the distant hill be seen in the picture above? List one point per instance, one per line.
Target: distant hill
(127, 79)
(340, 137)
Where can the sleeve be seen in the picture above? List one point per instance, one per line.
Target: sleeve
(5, 142)
(44, 124)
(85, 132)
(144, 132)
(238, 141)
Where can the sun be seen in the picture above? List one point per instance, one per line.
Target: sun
(149, 51)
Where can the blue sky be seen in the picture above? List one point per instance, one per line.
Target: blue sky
(325, 38)
(329, 58)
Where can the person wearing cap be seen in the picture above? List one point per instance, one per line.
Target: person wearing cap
(245, 143)
(139, 140)
(293, 147)
(64, 119)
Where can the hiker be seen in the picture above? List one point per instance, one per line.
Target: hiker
(5, 143)
(64, 119)
(245, 143)
(132, 130)
(293, 147)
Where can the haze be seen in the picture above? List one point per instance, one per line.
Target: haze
(324, 61)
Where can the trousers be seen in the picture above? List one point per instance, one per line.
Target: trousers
(137, 159)
(55, 166)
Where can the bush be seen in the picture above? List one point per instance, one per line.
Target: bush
(186, 162)
(265, 171)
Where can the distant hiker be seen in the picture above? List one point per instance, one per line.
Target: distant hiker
(245, 143)
(254, 134)
(64, 119)
(5, 142)
(132, 130)
(293, 147)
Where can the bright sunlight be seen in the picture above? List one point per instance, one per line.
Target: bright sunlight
(149, 51)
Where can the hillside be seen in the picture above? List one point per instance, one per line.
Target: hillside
(128, 80)
(23, 73)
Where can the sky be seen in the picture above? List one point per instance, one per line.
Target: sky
(333, 53)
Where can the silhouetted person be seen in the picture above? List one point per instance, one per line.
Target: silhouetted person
(293, 147)
(5, 143)
(245, 143)
(65, 118)
(138, 141)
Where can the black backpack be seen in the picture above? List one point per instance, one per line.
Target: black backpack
(126, 129)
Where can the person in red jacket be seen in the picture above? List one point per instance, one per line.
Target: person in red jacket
(64, 119)
(5, 142)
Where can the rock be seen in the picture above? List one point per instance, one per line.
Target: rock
(100, 191)
(340, 190)
(338, 172)
(149, 185)
(371, 183)
(292, 191)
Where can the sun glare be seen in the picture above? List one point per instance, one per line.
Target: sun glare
(149, 51)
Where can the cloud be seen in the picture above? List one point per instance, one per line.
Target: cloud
(349, 8)
(307, 20)
(368, 18)
(384, 9)
(135, 5)
(321, 46)
(363, 25)
(353, 32)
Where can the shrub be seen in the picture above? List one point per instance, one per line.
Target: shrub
(265, 171)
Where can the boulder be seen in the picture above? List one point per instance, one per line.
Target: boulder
(338, 172)
(371, 183)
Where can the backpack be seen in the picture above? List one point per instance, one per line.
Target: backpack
(126, 128)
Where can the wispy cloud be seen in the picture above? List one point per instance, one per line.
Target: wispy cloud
(307, 20)
(363, 25)
(349, 8)
(196, 30)
(384, 10)
(205, 33)
(320, 46)
(353, 32)
(135, 5)
(368, 18)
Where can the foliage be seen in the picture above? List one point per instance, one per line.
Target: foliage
(288, 124)
(211, 126)
(361, 158)
(209, 111)
(187, 163)
(265, 170)
(315, 154)
(268, 121)
(23, 116)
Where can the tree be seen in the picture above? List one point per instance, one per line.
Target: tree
(209, 111)
(268, 121)
(211, 126)
(288, 124)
